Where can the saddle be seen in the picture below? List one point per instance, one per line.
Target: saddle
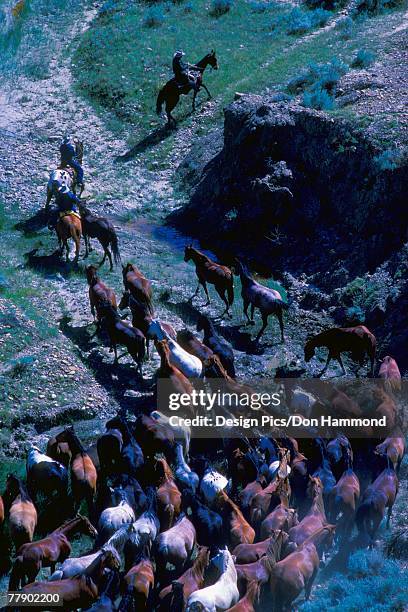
(67, 213)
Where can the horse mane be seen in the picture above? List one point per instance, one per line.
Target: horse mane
(214, 360)
(118, 539)
(71, 433)
(314, 534)
(317, 500)
(273, 551)
(22, 489)
(253, 591)
(167, 472)
(201, 561)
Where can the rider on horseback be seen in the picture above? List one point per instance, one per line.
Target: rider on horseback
(67, 202)
(69, 158)
(182, 72)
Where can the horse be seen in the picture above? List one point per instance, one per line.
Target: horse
(107, 593)
(187, 363)
(144, 530)
(112, 519)
(316, 516)
(167, 494)
(390, 375)
(109, 447)
(22, 515)
(281, 518)
(131, 455)
(45, 475)
(69, 226)
(343, 498)
(247, 603)
(54, 548)
(323, 469)
(238, 529)
(102, 229)
(208, 523)
(394, 449)
(243, 467)
(98, 293)
(83, 472)
(250, 553)
(142, 316)
(376, 498)
(386, 407)
(222, 594)
(191, 580)
(266, 500)
(1, 512)
(218, 345)
(59, 451)
(208, 271)
(155, 435)
(219, 380)
(260, 570)
(339, 452)
(182, 432)
(247, 493)
(138, 285)
(175, 545)
(358, 341)
(190, 343)
(268, 301)
(81, 590)
(184, 475)
(64, 177)
(177, 379)
(139, 581)
(121, 332)
(170, 93)
(211, 481)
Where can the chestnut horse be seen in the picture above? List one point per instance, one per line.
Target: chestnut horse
(282, 517)
(343, 498)
(69, 226)
(267, 499)
(261, 569)
(247, 603)
(208, 271)
(250, 553)
(137, 284)
(190, 581)
(394, 450)
(168, 496)
(21, 511)
(390, 375)
(83, 471)
(238, 529)
(190, 343)
(358, 341)
(98, 293)
(315, 518)
(377, 497)
(54, 548)
(139, 581)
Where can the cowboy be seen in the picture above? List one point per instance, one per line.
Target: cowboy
(69, 158)
(181, 71)
(66, 201)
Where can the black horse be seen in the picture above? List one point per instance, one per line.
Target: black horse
(170, 93)
(102, 229)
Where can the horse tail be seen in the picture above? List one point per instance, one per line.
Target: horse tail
(160, 100)
(169, 509)
(230, 292)
(115, 248)
(16, 574)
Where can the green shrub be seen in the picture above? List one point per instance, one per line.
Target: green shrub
(345, 26)
(318, 98)
(153, 17)
(363, 59)
(318, 84)
(220, 7)
(298, 21)
(389, 159)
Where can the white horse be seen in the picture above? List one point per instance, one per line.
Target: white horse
(188, 364)
(45, 474)
(114, 518)
(221, 595)
(183, 473)
(77, 565)
(176, 544)
(211, 484)
(181, 432)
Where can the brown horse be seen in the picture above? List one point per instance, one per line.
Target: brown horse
(245, 496)
(250, 553)
(83, 471)
(238, 529)
(190, 343)
(101, 228)
(267, 499)
(69, 226)
(282, 518)
(98, 293)
(59, 451)
(81, 590)
(261, 569)
(394, 450)
(390, 375)
(377, 497)
(31, 557)
(178, 382)
(247, 603)
(168, 496)
(190, 581)
(137, 284)
(140, 581)
(154, 435)
(315, 518)
(343, 499)
(21, 511)
(208, 271)
(358, 341)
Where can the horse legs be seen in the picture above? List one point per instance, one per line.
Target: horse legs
(86, 240)
(261, 331)
(195, 292)
(245, 307)
(252, 313)
(341, 364)
(279, 314)
(222, 295)
(309, 584)
(206, 89)
(329, 358)
(204, 284)
(389, 516)
(110, 258)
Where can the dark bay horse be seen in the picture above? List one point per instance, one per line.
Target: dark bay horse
(103, 230)
(171, 92)
(378, 496)
(208, 271)
(98, 293)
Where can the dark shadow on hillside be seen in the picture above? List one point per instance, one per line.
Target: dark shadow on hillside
(151, 140)
(115, 378)
(35, 223)
(49, 263)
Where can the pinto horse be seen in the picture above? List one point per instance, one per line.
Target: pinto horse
(98, 293)
(83, 471)
(64, 176)
(103, 230)
(268, 301)
(190, 581)
(358, 341)
(170, 93)
(45, 475)
(69, 226)
(54, 548)
(377, 497)
(208, 271)
(20, 510)
(222, 594)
